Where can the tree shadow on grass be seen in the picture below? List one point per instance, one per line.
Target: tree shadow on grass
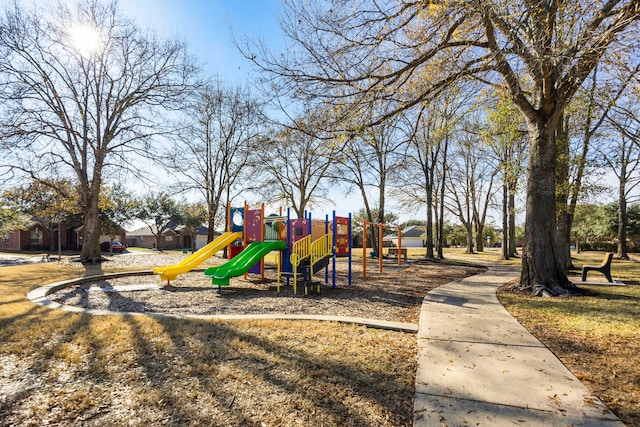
(281, 368)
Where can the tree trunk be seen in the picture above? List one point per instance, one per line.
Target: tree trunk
(512, 222)
(469, 229)
(91, 233)
(479, 236)
(211, 217)
(622, 223)
(564, 236)
(505, 221)
(542, 270)
(563, 187)
(429, 225)
(441, 199)
(52, 238)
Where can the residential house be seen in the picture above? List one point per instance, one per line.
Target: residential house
(36, 238)
(412, 237)
(174, 236)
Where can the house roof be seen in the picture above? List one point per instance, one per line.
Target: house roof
(152, 231)
(414, 231)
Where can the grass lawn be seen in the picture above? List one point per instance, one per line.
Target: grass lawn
(67, 369)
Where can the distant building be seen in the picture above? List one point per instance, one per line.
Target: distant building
(175, 236)
(412, 237)
(36, 238)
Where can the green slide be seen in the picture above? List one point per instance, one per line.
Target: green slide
(242, 262)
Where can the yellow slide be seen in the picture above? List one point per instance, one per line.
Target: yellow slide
(170, 272)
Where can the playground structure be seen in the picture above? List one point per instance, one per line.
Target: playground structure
(399, 250)
(305, 245)
(171, 272)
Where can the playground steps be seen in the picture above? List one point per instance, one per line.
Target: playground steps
(307, 258)
(303, 275)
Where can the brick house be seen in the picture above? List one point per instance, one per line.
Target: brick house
(175, 236)
(36, 238)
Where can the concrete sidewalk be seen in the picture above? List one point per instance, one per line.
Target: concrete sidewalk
(477, 366)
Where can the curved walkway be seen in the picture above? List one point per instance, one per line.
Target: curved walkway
(478, 366)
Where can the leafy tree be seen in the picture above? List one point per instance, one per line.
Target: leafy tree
(192, 216)
(68, 108)
(156, 210)
(47, 202)
(12, 218)
(117, 207)
(363, 215)
(455, 235)
(593, 222)
(633, 223)
(506, 135)
(396, 55)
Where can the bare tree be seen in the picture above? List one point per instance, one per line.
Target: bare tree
(623, 159)
(82, 91)
(351, 54)
(213, 155)
(419, 179)
(579, 130)
(470, 183)
(295, 163)
(368, 160)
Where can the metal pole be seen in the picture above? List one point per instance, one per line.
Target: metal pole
(350, 246)
(364, 249)
(399, 246)
(380, 246)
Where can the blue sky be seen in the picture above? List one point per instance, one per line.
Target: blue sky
(207, 25)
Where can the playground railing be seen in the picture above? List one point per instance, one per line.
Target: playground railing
(321, 248)
(315, 251)
(271, 233)
(300, 250)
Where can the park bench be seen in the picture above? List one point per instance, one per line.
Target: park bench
(604, 268)
(394, 251)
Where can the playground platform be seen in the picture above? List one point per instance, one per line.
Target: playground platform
(478, 366)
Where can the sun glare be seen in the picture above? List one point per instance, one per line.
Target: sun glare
(85, 39)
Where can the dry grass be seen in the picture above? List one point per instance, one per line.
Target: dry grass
(65, 368)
